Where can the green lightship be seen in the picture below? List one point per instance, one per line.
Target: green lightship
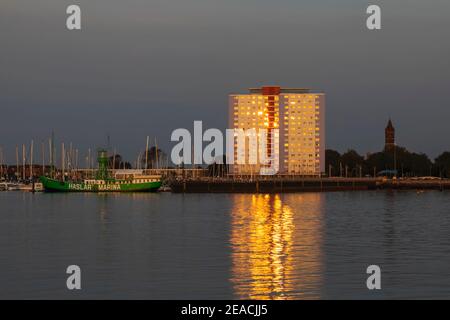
(130, 181)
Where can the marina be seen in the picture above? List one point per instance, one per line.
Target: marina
(168, 181)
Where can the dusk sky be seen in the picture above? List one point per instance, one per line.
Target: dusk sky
(141, 68)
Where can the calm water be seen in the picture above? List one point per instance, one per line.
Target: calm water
(223, 246)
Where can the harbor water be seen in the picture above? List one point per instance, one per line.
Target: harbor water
(225, 246)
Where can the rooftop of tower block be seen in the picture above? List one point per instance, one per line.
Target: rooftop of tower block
(275, 90)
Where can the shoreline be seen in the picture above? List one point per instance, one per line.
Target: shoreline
(305, 185)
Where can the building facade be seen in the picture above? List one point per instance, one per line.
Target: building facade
(295, 122)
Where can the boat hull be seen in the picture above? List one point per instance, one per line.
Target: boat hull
(51, 185)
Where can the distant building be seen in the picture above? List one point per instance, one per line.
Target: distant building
(389, 136)
(298, 113)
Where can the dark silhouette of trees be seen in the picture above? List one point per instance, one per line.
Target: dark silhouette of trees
(332, 162)
(398, 159)
(353, 163)
(406, 163)
(116, 162)
(421, 165)
(349, 164)
(442, 165)
(218, 169)
(155, 158)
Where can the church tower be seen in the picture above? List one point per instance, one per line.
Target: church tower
(389, 135)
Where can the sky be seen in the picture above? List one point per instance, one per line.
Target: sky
(141, 68)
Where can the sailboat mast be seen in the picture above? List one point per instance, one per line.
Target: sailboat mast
(43, 157)
(23, 161)
(50, 155)
(69, 158)
(138, 161)
(1, 162)
(52, 151)
(156, 154)
(62, 160)
(17, 162)
(31, 159)
(146, 155)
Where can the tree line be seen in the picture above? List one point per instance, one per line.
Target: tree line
(395, 161)
(155, 158)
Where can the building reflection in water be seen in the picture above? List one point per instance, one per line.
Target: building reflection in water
(276, 246)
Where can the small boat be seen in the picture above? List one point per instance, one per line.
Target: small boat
(165, 189)
(132, 181)
(38, 187)
(25, 187)
(13, 186)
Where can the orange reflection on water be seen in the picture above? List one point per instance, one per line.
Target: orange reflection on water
(276, 246)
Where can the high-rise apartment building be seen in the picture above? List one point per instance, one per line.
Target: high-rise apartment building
(295, 122)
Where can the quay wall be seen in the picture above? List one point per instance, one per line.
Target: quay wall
(302, 185)
(271, 186)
